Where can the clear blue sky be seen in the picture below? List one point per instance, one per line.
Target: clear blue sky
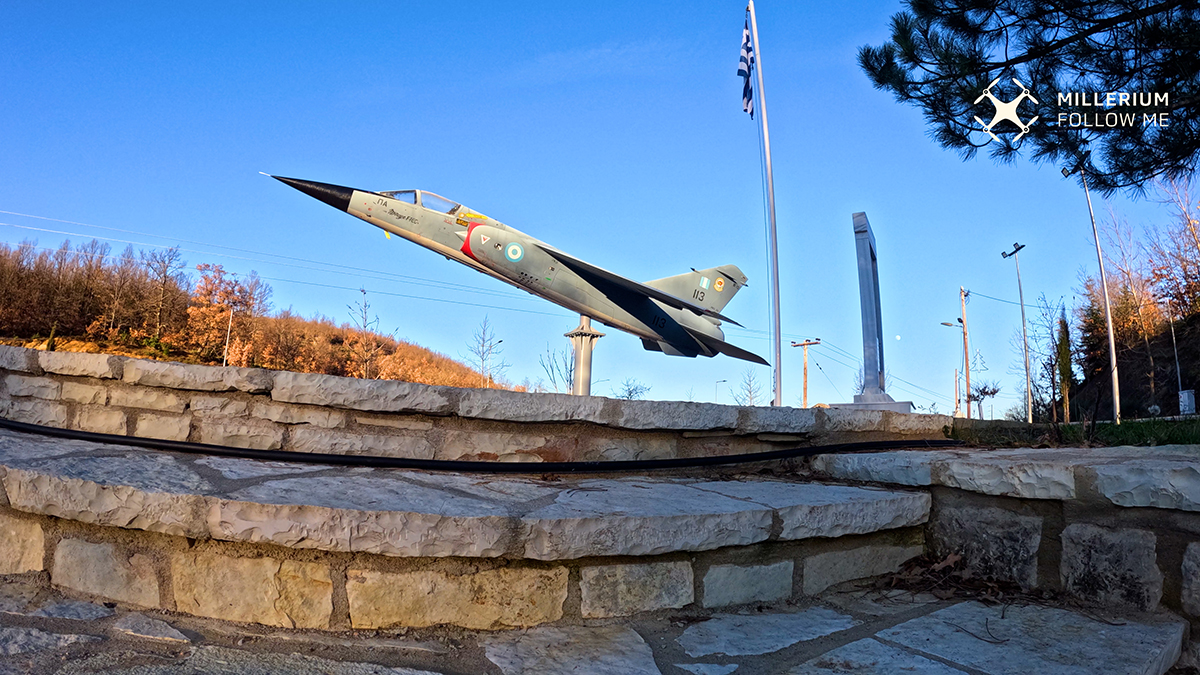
(612, 130)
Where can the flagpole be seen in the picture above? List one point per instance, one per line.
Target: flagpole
(772, 244)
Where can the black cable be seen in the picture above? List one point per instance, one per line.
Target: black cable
(608, 466)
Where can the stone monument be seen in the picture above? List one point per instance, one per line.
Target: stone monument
(874, 395)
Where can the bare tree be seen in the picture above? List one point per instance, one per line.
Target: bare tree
(1064, 363)
(749, 391)
(631, 389)
(1043, 358)
(485, 350)
(1175, 250)
(165, 268)
(256, 295)
(559, 367)
(122, 285)
(1130, 260)
(368, 345)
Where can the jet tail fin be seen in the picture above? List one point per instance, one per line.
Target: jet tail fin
(710, 288)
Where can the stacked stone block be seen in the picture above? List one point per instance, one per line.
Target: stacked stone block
(1114, 527)
(304, 412)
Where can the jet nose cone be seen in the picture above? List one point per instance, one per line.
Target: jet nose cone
(334, 195)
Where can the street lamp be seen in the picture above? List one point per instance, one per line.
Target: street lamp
(716, 397)
(228, 332)
(1024, 336)
(1112, 343)
(961, 325)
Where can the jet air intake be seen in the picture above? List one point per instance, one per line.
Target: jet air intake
(485, 244)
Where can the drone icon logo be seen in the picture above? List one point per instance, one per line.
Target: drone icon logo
(1006, 111)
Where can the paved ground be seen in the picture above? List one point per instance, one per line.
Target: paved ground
(848, 631)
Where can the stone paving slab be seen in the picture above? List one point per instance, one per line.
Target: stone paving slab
(742, 634)
(142, 626)
(872, 657)
(1165, 477)
(224, 661)
(607, 650)
(73, 609)
(412, 513)
(707, 668)
(21, 640)
(933, 638)
(1017, 640)
(16, 596)
(851, 597)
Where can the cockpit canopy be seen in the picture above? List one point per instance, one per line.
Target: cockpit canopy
(425, 199)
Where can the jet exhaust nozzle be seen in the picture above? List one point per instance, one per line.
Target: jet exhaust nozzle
(334, 195)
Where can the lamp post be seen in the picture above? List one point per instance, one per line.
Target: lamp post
(961, 325)
(1175, 348)
(1112, 343)
(1024, 335)
(716, 396)
(957, 409)
(228, 332)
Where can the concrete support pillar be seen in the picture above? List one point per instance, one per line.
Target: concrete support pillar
(583, 340)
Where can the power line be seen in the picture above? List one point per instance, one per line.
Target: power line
(928, 392)
(415, 297)
(362, 272)
(835, 387)
(346, 288)
(1010, 302)
(198, 243)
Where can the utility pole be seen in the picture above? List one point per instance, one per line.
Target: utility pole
(1024, 335)
(1112, 342)
(962, 299)
(806, 344)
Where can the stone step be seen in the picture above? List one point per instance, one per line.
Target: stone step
(314, 546)
(426, 514)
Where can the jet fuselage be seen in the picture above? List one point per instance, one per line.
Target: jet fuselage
(659, 312)
(507, 253)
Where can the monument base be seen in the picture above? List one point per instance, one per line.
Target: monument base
(876, 400)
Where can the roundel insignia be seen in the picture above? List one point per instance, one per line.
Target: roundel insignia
(514, 252)
(719, 284)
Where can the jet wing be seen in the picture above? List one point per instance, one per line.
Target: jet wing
(605, 277)
(725, 348)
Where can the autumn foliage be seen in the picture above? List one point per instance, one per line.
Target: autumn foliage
(148, 305)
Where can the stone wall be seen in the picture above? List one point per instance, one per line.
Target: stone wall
(1116, 527)
(305, 588)
(273, 410)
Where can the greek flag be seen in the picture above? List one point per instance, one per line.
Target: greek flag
(745, 67)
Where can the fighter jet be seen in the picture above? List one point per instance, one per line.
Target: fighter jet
(679, 315)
